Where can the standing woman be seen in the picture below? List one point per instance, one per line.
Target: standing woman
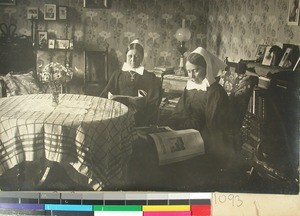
(204, 104)
(133, 80)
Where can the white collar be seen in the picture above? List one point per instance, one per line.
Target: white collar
(192, 85)
(127, 67)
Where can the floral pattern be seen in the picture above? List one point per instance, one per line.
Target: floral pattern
(227, 28)
(242, 25)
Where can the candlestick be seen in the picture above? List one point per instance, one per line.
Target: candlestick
(183, 23)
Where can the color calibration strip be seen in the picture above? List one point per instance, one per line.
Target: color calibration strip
(175, 204)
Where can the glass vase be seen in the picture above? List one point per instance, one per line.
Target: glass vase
(55, 98)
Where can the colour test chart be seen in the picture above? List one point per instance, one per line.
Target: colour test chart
(105, 204)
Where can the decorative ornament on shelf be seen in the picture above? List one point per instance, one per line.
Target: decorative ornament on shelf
(183, 34)
(57, 76)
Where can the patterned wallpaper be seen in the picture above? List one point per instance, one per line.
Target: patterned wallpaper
(230, 28)
(236, 27)
(154, 22)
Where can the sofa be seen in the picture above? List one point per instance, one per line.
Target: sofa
(20, 83)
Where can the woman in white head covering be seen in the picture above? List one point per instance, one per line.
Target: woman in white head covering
(133, 80)
(204, 103)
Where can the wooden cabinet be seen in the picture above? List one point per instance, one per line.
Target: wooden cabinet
(96, 71)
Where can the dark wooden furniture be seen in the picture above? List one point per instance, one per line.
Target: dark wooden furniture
(96, 71)
(270, 132)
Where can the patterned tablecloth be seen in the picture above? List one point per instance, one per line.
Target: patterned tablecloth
(92, 134)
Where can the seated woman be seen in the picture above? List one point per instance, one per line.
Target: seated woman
(204, 104)
(133, 80)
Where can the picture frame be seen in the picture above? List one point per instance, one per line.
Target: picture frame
(285, 57)
(51, 44)
(293, 12)
(42, 39)
(7, 2)
(297, 65)
(49, 12)
(96, 3)
(268, 57)
(32, 13)
(63, 44)
(261, 49)
(62, 12)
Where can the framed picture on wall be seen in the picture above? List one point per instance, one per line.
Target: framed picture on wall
(7, 2)
(63, 44)
(96, 3)
(293, 13)
(32, 13)
(49, 12)
(51, 44)
(62, 12)
(42, 39)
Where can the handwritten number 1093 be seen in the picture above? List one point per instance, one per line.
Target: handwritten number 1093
(233, 199)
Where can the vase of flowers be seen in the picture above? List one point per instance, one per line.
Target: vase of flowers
(56, 75)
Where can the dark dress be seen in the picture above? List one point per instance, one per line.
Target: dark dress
(122, 83)
(207, 112)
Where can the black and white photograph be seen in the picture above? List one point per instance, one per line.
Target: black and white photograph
(284, 62)
(49, 12)
(293, 13)
(51, 44)
(42, 39)
(62, 12)
(32, 13)
(150, 95)
(62, 44)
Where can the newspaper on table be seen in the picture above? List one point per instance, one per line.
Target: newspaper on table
(175, 145)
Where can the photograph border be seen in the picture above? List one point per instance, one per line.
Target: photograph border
(61, 44)
(285, 56)
(30, 15)
(60, 8)
(259, 56)
(296, 10)
(40, 44)
(54, 11)
(265, 60)
(51, 46)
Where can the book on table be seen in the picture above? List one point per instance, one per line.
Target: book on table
(174, 145)
(133, 102)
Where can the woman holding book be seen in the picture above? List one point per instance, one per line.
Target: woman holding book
(204, 103)
(134, 86)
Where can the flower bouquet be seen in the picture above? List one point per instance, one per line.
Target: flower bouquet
(56, 75)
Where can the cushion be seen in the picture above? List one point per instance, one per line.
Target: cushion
(20, 84)
(235, 83)
(239, 89)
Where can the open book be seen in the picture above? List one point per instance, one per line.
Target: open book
(132, 102)
(174, 145)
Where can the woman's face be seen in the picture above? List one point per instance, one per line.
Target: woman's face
(196, 72)
(134, 58)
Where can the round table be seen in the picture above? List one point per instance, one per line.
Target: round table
(91, 134)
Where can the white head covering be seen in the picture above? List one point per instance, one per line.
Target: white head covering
(213, 67)
(127, 67)
(213, 64)
(136, 41)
